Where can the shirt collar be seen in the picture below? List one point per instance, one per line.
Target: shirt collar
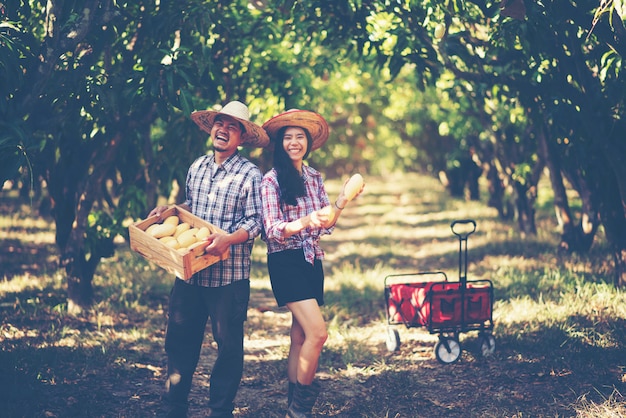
(305, 172)
(226, 165)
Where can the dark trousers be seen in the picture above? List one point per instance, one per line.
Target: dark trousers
(189, 309)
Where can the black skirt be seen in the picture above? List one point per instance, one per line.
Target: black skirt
(294, 279)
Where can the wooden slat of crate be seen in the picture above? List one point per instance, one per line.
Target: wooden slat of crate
(182, 264)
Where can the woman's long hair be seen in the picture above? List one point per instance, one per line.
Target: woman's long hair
(289, 179)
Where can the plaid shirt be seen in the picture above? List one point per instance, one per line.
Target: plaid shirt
(228, 197)
(276, 215)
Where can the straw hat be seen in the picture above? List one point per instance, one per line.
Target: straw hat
(311, 121)
(254, 136)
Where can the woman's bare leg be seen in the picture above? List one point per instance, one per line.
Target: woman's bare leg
(308, 335)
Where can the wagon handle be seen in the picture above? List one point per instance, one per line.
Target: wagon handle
(463, 233)
(463, 246)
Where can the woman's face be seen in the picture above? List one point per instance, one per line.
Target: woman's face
(295, 143)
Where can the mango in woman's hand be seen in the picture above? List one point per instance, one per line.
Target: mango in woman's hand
(326, 211)
(353, 186)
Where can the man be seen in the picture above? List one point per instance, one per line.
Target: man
(222, 188)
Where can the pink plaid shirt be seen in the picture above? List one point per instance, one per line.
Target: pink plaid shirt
(276, 215)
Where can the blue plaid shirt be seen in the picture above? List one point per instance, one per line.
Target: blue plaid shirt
(228, 196)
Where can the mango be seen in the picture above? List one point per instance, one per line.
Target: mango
(163, 230)
(182, 227)
(440, 30)
(187, 238)
(327, 210)
(173, 243)
(173, 220)
(203, 233)
(151, 228)
(353, 186)
(166, 239)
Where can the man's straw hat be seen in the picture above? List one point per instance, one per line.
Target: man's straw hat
(254, 136)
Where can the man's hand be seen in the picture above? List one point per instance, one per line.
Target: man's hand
(158, 210)
(218, 243)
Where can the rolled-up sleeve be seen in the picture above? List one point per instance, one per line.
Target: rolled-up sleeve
(251, 220)
(273, 223)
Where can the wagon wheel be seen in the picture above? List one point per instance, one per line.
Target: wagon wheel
(393, 340)
(447, 350)
(487, 344)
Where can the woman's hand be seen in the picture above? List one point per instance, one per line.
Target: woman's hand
(323, 218)
(351, 189)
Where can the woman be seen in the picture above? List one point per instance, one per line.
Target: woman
(296, 213)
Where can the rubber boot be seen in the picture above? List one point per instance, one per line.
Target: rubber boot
(175, 408)
(290, 390)
(304, 397)
(177, 411)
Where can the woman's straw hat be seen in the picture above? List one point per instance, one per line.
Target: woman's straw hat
(254, 136)
(311, 121)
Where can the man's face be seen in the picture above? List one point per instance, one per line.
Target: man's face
(226, 134)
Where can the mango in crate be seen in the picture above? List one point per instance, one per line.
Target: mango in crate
(187, 238)
(173, 220)
(180, 228)
(167, 239)
(167, 253)
(203, 233)
(162, 230)
(150, 229)
(170, 241)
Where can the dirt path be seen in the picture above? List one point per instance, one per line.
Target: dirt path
(46, 372)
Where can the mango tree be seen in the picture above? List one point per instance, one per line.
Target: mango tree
(96, 98)
(556, 70)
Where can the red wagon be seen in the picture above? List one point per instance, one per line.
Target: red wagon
(428, 299)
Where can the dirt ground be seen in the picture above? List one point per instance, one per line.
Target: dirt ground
(410, 382)
(530, 375)
(513, 382)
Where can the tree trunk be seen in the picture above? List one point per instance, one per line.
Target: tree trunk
(613, 214)
(79, 285)
(524, 205)
(620, 267)
(574, 237)
(601, 151)
(585, 230)
(148, 182)
(497, 193)
(71, 223)
(74, 185)
(611, 209)
(456, 183)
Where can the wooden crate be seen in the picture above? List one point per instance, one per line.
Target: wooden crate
(181, 263)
